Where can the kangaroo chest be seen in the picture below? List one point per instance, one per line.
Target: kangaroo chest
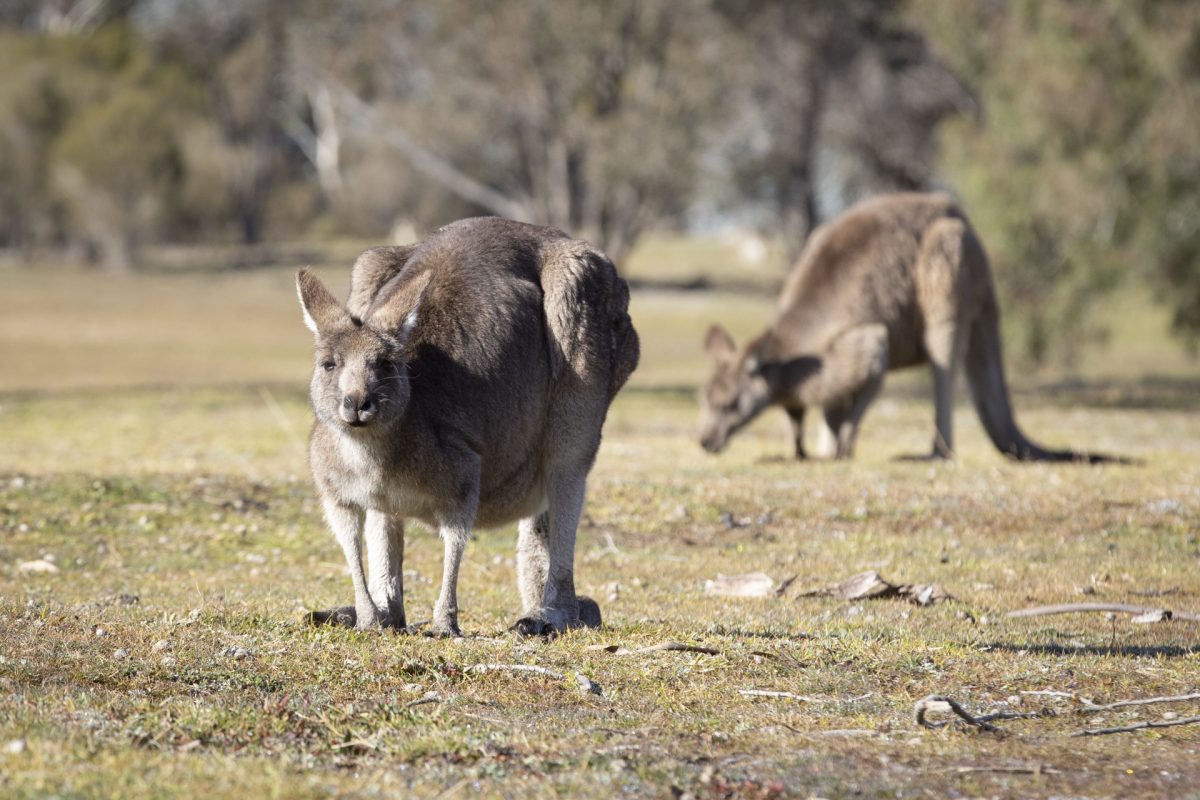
(369, 482)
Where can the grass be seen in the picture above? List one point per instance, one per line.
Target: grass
(151, 435)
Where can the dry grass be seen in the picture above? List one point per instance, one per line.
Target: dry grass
(154, 463)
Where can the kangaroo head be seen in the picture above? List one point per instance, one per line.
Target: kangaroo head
(360, 380)
(736, 392)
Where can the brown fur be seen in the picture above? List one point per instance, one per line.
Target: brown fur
(896, 281)
(483, 360)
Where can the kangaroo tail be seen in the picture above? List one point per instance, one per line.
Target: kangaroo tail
(989, 390)
(626, 345)
(587, 310)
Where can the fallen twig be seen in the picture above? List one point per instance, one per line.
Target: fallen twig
(1151, 613)
(582, 682)
(515, 668)
(770, 693)
(1036, 769)
(1137, 727)
(618, 650)
(938, 702)
(1092, 708)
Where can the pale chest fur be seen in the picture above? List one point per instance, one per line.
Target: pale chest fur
(364, 480)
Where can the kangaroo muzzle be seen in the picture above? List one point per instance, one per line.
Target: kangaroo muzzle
(357, 409)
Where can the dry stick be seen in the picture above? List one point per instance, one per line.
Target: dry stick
(1120, 608)
(939, 702)
(617, 650)
(680, 646)
(515, 668)
(1178, 698)
(582, 682)
(1034, 770)
(788, 695)
(1138, 727)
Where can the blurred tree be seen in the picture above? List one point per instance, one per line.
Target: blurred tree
(92, 157)
(590, 116)
(238, 50)
(1083, 173)
(843, 101)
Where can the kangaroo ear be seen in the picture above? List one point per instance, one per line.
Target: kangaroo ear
(719, 344)
(321, 308)
(398, 310)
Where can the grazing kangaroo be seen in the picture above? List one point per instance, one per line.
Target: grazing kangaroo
(895, 281)
(465, 384)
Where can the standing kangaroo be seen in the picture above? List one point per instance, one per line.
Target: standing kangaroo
(896, 281)
(465, 384)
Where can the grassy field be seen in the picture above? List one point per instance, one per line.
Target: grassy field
(151, 458)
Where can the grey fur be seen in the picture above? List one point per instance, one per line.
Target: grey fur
(465, 384)
(896, 281)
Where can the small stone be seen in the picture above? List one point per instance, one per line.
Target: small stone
(100, 631)
(236, 653)
(16, 747)
(160, 645)
(167, 661)
(587, 685)
(120, 654)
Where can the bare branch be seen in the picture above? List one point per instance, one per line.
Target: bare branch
(785, 695)
(1178, 698)
(618, 650)
(938, 702)
(582, 682)
(1170, 723)
(434, 167)
(1151, 613)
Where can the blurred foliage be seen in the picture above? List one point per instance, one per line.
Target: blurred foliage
(1083, 172)
(1067, 127)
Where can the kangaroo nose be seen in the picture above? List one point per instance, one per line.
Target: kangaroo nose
(357, 409)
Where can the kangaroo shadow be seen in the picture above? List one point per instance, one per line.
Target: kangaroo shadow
(1124, 650)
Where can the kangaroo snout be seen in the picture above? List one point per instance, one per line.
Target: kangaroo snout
(357, 409)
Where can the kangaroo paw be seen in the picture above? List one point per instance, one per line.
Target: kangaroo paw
(343, 617)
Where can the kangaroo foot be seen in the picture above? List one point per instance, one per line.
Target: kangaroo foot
(445, 630)
(549, 622)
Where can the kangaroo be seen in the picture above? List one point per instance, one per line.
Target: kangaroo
(465, 384)
(895, 281)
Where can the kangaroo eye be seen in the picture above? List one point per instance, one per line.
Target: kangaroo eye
(328, 366)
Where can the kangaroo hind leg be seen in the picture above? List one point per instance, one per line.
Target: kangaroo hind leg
(550, 539)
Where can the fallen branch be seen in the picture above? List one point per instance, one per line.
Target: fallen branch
(1137, 727)
(1037, 769)
(787, 695)
(1177, 698)
(1150, 613)
(582, 682)
(938, 702)
(618, 650)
